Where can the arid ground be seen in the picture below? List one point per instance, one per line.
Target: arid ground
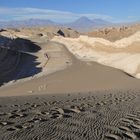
(53, 89)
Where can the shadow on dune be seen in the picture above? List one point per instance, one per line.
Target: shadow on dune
(19, 44)
(15, 61)
(128, 74)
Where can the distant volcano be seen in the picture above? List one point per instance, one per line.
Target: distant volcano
(81, 24)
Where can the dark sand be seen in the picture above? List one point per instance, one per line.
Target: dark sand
(86, 101)
(106, 115)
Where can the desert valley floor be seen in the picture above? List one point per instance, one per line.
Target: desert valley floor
(53, 94)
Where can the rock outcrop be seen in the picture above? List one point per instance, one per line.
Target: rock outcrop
(123, 54)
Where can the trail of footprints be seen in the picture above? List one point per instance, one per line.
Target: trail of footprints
(38, 116)
(129, 125)
(26, 117)
(129, 128)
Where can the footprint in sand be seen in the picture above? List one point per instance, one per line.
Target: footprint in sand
(73, 109)
(2, 113)
(128, 130)
(35, 105)
(18, 127)
(11, 129)
(5, 123)
(30, 91)
(37, 120)
(18, 115)
(42, 87)
(15, 105)
(56, 113)
(46, 103)
(57, 110)
(112, 137)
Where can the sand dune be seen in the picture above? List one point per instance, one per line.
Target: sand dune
(122, 43)
(18, 59)
(122, 54)
(22, 60)
(106, 115)
(24, 53)
(83, 101)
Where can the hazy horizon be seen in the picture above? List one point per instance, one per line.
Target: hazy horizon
(68, 11)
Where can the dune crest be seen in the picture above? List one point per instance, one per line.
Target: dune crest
(122, 43)
(122, 54)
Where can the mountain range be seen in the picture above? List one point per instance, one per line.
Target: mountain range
(82, 24)
(86, 24)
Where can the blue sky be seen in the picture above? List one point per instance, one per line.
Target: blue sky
(68, 10)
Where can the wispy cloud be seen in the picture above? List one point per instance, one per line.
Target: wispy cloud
(59, 16)
(133, 18)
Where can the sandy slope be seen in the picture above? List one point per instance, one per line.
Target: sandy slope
(106, 115)
(122, 54)
(91, 101)
(78, 77)
(25, 53)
